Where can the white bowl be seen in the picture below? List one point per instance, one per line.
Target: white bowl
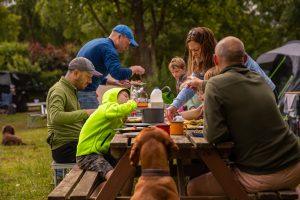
(191, 114)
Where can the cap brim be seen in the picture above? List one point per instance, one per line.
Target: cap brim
(133, 43)
(95, 73)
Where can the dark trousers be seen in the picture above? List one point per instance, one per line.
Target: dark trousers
(65, 153)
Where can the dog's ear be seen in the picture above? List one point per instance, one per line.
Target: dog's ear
(172, 148)
(134, 156)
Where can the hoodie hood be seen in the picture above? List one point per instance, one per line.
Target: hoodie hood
(111, 95)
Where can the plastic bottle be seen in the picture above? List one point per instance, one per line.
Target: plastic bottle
(156, 100)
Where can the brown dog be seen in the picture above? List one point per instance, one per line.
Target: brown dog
(9, 137)
(153, 146)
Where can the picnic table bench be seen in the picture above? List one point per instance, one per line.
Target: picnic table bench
(80, 184)
(37, 105)
(36, 119)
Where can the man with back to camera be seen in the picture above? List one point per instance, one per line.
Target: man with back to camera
(240, 107)
(104, 54)
(64, 117)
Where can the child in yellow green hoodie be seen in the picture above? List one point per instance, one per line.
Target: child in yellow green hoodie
(98, 131)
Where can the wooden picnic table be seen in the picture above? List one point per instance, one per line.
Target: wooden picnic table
(80, 184)
(189, 148)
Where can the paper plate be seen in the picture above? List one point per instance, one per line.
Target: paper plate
(131, 134)
(139, 124)
(127, 129)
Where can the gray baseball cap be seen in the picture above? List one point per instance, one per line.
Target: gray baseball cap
(83, 64)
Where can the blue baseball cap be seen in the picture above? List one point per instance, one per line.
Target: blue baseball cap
(125, 30)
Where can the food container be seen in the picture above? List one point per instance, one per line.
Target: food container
(153, 115)
(139, 94)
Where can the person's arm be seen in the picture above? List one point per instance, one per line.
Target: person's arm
(114, 67)
(184, 95)
(116, 110)
(253, 66)
(216, 129)
(59, 116)
(121, 83)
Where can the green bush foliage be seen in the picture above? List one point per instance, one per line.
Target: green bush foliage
(52, 60)
(48, 63)
(14, 57)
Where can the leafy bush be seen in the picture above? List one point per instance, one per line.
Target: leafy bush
(52, 60)
(48, 78)
(21, 64)
(14, 57)
(48, 63)
(50, 57)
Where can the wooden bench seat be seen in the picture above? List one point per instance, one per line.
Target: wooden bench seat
(282, 194)
(78, 184)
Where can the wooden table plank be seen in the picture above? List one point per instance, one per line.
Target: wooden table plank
(65, 187)
(118, 141)
(114, 184)
(85, 186)
(287, 194)
(223, 174)
(199, 142)
(182, 141)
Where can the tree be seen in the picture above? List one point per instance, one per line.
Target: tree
(9, 24)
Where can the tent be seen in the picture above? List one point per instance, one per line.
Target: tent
(283, 66)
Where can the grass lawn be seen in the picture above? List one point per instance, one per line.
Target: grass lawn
(25, 171)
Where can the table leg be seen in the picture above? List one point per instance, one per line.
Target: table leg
(120, 175)
(223, 174)
(180, 177)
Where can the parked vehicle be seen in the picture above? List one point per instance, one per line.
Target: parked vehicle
(17, 89)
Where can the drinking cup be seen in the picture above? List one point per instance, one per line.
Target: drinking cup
(177, 128)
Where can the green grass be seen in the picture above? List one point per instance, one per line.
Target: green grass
(25, 171)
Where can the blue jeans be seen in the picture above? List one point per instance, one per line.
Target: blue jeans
(88, 100)
(6, 99)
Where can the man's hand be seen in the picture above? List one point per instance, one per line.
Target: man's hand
(170, 112)
(89, 111)
(122, 83)
(201, 111)
(137, 70)
(194, 83)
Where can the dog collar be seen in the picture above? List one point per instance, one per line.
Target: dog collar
(155, 172)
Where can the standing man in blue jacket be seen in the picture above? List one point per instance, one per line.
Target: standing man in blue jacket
(104, 54)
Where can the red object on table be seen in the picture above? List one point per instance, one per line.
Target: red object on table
(165, 127)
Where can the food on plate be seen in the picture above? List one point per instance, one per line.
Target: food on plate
(137, 82)
(133, 128)
(134, 119)
(193, 124)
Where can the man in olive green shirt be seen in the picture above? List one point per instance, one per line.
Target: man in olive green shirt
(240, 107)
(65, 118)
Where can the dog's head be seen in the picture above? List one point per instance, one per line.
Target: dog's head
(151, 133)
(8, 129)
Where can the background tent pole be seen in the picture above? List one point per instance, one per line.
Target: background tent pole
(278, 66)
(285, 86)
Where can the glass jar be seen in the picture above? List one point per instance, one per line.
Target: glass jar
(139, 94)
